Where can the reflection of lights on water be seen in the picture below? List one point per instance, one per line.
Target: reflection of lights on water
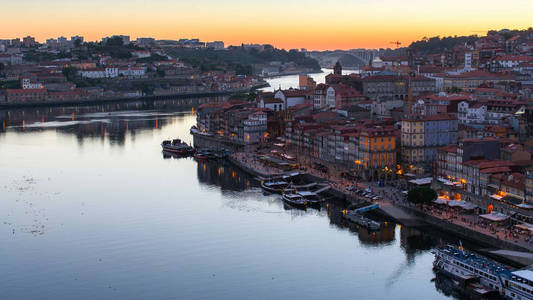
(23, 123)
(4, 124)
(203, 166)
(219, 171)
(233, 174)
(72, 116)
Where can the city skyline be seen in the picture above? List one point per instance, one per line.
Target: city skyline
(287, 24)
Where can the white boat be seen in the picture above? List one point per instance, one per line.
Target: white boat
(461, 264)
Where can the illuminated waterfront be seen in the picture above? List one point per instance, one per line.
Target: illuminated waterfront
(91, 208)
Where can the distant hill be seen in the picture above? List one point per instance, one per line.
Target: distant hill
(240, 59)
(437, 44)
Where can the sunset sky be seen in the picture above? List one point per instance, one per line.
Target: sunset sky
(311, 24)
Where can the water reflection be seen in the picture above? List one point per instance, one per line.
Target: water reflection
(223, 174)
(227, 177)
(98, 121)
(150, 224)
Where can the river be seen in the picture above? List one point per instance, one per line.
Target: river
(91, 208)
(291, 81)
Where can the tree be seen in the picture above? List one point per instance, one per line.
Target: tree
(70, 73)
(421, 195)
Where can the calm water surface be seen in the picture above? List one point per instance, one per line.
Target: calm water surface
(292, 81)
(91, 209)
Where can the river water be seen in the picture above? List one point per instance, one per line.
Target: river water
(91, 208)
(291, 81)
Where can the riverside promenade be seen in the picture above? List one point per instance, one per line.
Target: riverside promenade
(392, 205)
(466, 226)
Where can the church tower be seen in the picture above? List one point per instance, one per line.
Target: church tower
(337, 69)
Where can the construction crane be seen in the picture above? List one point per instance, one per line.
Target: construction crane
(397, 43)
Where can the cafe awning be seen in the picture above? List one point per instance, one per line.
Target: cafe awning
(440, 201)
(525, 206)
(454, 203)
(525, 226)
(495, 217)
(422, 181)
(512, 200)
(467, 205)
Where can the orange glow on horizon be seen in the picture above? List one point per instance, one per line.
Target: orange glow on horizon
(285, 24)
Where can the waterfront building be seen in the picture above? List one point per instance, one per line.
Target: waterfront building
(26, 95)
(450, 158)
(377, 150)
(423, 135)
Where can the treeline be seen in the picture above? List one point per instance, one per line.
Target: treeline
(437, 44)
(240, 59)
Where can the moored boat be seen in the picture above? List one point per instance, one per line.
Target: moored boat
(176, 146)
(274, 186)
(464, 265)
(359, 219)
(203, 155)
(294, 200)
(312, 198)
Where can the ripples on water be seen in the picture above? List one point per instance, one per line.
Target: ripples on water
(91, 208)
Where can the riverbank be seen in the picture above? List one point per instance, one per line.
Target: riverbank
(403, 213)
(7, 105)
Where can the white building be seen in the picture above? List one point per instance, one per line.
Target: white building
(255, 127)
(28, 85)
(132, 72)
(92, 73)
(290, 97)
(141, 53)
(330, 97)
(110, 72)
(471, 112)
(468, 61)
(272, 103)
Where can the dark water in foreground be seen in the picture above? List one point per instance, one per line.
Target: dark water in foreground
(90, 208)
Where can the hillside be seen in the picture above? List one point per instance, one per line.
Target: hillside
(240, 59)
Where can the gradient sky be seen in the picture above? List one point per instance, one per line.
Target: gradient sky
(311, 24)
